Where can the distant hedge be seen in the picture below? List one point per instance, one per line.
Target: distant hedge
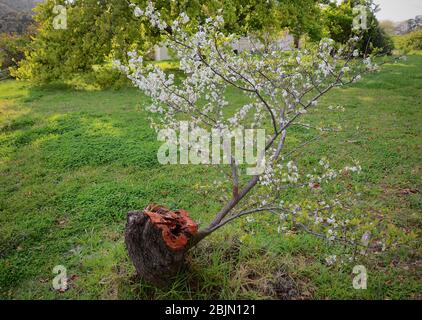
(410, 41)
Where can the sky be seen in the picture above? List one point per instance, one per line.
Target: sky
(399, 10)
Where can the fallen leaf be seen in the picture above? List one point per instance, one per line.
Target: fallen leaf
(408, 191)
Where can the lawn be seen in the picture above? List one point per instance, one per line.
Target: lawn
(74, 162)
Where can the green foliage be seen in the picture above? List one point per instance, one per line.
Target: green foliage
(12, 48)
(409, 42)
(338, 24)
(97, 31)
(270, 17)
(302, 18)
(100, 31)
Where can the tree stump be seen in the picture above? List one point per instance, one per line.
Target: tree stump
(157, 240)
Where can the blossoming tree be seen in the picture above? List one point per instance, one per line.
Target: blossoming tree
(281, 89)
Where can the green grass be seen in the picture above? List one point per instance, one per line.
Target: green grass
(73, 163)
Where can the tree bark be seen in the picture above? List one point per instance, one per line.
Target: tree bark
(157, 240)
(296, 41)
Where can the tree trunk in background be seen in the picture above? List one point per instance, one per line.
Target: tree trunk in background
(296, 40)
(157, 240)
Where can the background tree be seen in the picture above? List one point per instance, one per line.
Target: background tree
(95, 30)
(12, 51)
(410, 41)
(388, 26)
(99, 31)
(302, 18)
(338, 22)
(16, 29)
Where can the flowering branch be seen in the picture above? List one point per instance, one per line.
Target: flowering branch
(280, 87)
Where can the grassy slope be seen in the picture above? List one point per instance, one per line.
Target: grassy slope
(73, 163)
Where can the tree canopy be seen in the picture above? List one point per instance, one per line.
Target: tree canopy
(98, 31)
(338, 24)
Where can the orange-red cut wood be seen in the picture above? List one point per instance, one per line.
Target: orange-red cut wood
(176, 226)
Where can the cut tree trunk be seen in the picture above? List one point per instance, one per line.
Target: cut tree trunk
(157, 240)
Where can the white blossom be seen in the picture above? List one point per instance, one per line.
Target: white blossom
(330, 260)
